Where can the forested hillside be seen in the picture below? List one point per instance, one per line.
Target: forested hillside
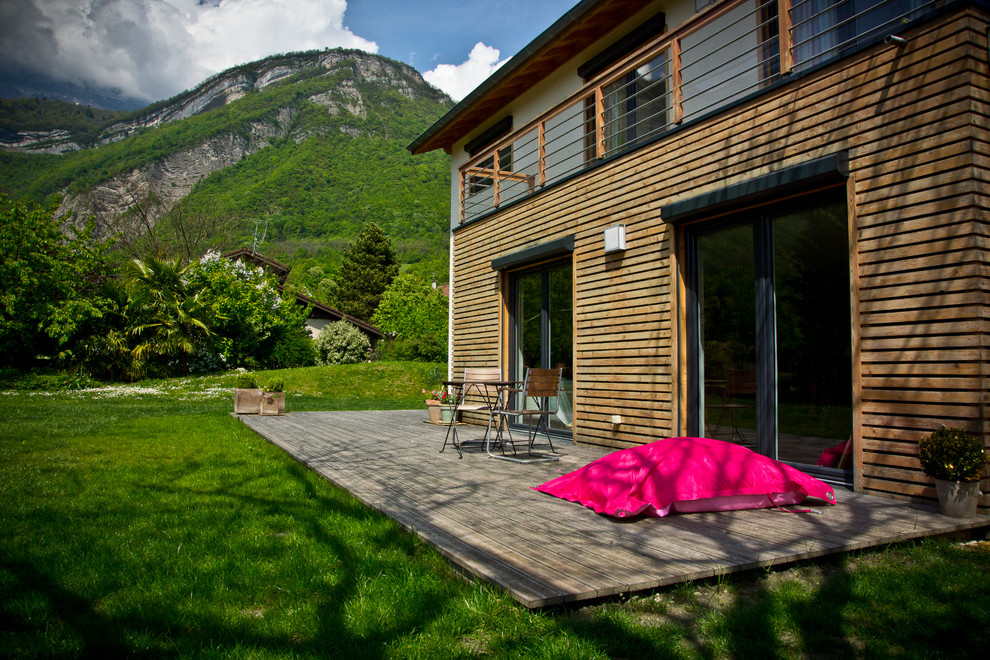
(309, 145)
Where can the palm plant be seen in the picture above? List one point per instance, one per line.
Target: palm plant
(167, 315)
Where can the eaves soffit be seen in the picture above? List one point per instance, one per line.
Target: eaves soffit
(572, 38)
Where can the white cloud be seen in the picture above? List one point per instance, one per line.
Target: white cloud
(152, 49)
(458, 80)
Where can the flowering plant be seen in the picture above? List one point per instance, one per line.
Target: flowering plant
(441, 395)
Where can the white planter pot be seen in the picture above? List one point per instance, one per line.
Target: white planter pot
(958, 499)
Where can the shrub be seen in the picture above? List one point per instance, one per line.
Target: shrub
(206, 360)
(341, 343)
(249, 314)
(246, 381)
(951, 454)
(294, 348)
(275, 385)
(414, 349)
(51, 382)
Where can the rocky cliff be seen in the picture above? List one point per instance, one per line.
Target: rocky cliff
(356, 83)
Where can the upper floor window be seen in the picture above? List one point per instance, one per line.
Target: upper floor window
(823, 29)
(636, 106)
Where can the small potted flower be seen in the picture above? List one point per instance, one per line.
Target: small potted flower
(273, 398)
(438, 405)
(955, 460)
(247, 395)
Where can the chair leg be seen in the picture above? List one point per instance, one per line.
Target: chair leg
(457, 446)
(546, 431)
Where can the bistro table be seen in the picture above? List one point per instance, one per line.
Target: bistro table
(490, 392)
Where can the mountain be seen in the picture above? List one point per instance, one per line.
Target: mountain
(31, 86)
(312, 144)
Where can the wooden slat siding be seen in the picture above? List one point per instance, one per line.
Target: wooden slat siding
(910, 119)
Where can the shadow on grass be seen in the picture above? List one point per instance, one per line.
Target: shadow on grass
(351, 615)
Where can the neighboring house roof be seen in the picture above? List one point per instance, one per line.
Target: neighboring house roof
(582, 25)
(281, 271)
(339, 315)
(248, 255)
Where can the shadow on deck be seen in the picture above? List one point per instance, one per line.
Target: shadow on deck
(482, 514)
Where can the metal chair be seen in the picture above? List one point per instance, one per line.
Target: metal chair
(540, 387)
(740, 383)
(483, 382)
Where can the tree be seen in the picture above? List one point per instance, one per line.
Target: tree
(368, 267)
(416, 314)
(167, 315)
(49, 284)
(250, 317)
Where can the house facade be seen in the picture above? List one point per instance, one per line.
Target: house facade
(763, 221)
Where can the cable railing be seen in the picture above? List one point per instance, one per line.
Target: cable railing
(726, 53)
(727, 59)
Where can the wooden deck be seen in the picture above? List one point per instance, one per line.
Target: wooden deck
(481, 513)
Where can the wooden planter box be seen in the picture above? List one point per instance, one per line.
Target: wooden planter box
(247, 402)
(273, 403)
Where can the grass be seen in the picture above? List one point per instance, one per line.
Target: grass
(146, 521)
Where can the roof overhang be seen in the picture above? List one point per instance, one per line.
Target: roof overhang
(587, 22)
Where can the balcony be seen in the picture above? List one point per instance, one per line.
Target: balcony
(724, 54)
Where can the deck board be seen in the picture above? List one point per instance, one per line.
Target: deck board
(483, 516)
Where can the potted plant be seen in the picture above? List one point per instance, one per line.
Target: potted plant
(273, 397)
(438, 406)
(955, 460)
(247, 395)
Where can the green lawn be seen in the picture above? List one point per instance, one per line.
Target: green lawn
(147, 522)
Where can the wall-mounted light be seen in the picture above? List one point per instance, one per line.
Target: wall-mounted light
(615, 238)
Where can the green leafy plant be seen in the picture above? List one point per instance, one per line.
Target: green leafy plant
(250, 316)
(246, 381)
(275, 385)
(951, 454)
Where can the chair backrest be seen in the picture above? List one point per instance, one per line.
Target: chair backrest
(482, 373)
(542, 383)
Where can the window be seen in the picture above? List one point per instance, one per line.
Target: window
(772, 326)
(823, 29)
(637, 105)
(542, 330)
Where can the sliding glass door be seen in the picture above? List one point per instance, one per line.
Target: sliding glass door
(772, 326)
(542, 329)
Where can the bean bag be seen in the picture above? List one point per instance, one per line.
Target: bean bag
(685, 475)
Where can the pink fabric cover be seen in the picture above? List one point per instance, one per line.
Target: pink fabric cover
(685, 475)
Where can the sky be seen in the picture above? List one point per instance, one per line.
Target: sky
(154, 49)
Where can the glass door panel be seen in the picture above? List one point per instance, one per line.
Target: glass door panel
(727, 301)
(529, 322)
(774, 369)
(560, 315)
(814, 372)
(543, 311)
